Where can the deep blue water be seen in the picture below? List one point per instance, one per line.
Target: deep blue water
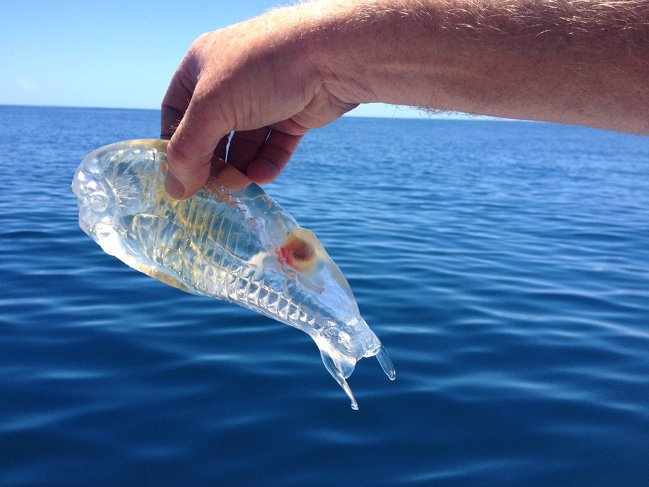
(504, 265)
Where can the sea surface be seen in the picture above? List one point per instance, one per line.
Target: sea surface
(504, 265)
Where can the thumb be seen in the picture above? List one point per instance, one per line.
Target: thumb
(191, 149)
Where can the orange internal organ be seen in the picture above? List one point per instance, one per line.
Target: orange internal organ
(297, 253)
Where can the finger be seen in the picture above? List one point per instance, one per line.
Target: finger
(192, 145)
(245, 147)
(176, 100)
(223, 175)
(170, 118)
(291, 127)
(273, 157)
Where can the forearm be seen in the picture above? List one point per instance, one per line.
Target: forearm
(578, 61)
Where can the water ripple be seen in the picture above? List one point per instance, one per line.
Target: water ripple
(505, 267)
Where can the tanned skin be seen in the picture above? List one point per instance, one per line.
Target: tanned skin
(271, 79)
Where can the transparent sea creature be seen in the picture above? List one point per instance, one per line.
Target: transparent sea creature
(237, 246)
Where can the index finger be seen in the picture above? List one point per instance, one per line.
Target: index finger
(172, 110)
(175, 101)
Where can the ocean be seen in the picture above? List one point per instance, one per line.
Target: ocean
(504, 265)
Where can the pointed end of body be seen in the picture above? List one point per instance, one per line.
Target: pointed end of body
(386, 363)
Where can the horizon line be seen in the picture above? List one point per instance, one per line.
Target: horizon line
(423, 115)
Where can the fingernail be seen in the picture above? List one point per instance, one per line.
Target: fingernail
(173, 186)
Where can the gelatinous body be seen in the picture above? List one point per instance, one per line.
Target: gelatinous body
(241, 247)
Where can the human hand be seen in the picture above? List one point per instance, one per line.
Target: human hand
(259, 79)
(271, 79)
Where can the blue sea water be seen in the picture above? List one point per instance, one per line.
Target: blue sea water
(504, 265)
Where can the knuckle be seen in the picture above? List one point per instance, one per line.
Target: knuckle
(177, 155)
(183, 162)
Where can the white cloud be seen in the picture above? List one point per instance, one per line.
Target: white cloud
(27, 84)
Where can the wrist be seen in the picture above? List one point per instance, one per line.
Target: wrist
(373, 50)
(337, 41)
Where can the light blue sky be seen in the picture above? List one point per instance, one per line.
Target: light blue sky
(111, 53)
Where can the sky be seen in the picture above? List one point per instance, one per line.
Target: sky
(112, 53)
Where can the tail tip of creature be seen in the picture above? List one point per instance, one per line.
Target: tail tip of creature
(386, 364)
